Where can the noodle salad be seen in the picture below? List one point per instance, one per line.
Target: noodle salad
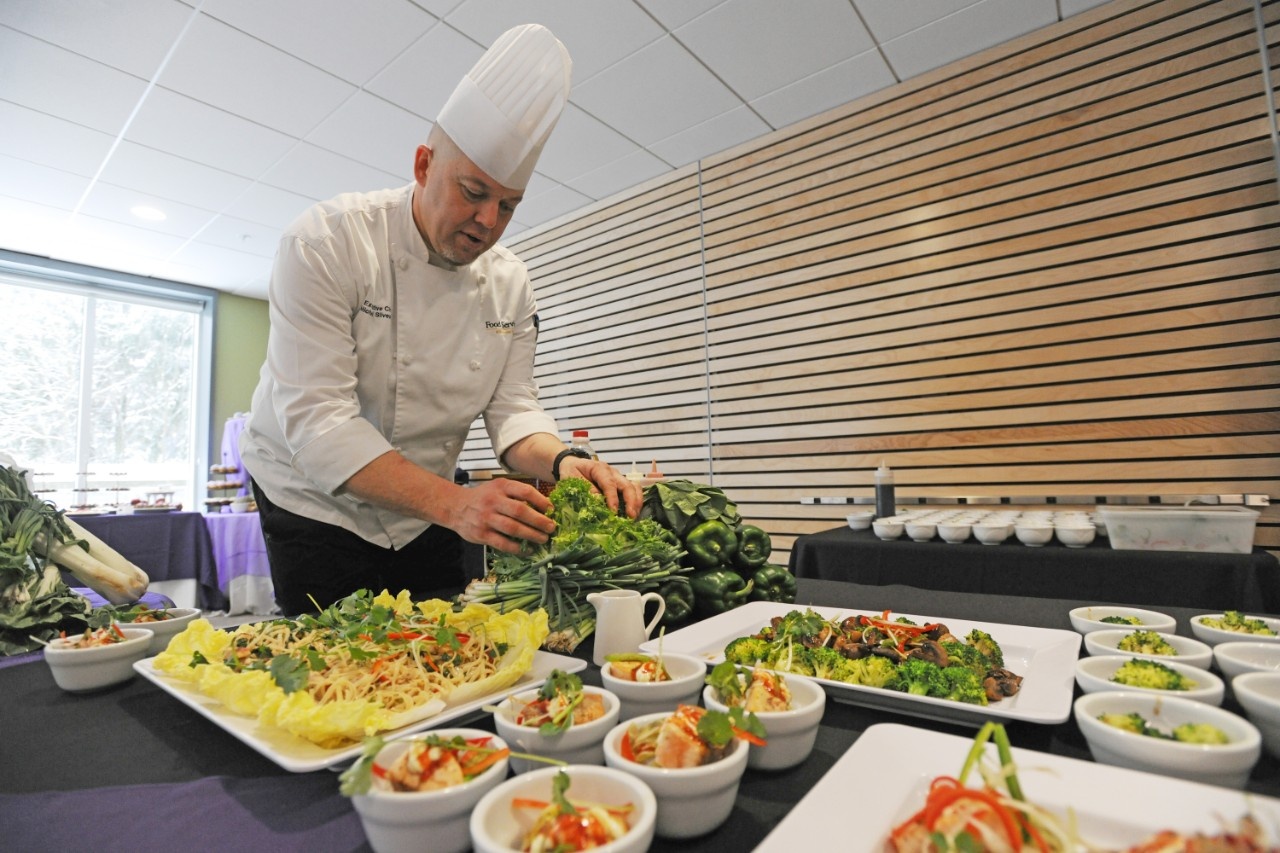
(364, 665)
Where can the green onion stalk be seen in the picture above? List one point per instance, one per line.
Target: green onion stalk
(593, 549)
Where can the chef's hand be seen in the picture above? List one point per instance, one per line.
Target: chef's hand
(503, 514)
(616, 489)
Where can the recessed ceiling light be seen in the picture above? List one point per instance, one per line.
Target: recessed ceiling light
(151, 214)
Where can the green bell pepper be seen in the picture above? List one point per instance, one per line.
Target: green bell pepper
(678, 594)
(711, 544)
(772, 582)
(718, 591)
(754, 547)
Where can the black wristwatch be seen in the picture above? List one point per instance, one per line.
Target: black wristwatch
(568, 451)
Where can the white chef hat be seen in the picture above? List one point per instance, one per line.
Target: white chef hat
(503, 111)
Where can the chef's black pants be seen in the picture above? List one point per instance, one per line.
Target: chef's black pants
(313, 564)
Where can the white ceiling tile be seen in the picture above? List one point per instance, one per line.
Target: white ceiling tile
(759, 46)
(169, 121)
(50, 141)
(89, 235)
(372, 131)
(269, 206)
(314, 172)
(554, 202)
(247, 238)
(595, 32)
(439, 8)
(966, 32)
(31, 227)
(222, 66)
(718, 133)
(888, 19)
(22, 179)
(112, 203)
(167, 176)
(351, 40)
(422, 77)
(841, 83)
(614, 177)
(1075, 7)
(64, 84)
(655, 93)
(133, 36)
(580, 144)
(206, 264)
(674, 13)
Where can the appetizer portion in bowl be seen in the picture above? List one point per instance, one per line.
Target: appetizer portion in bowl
(1096, 617)
(163, 622)
(650, 684)
(97, 657)
(790, 708)
(424, 787)
(565, 809)
(1149, 644)
(1122, 672)
(1214, 628)
(692, 759)
(562, 719)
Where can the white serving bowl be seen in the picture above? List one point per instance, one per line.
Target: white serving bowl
(77, 670)
(581, 743)
(692, 801)
(921, 531)
(1237, 658)
(1075, 535)
(165, 630)
(1093, 674)
(888, 528)
(402, 821)
(1034, 534)
(860, 520)
(1213, 636)
(1226, 764)
(1259, 694)
(789, 735)
(992, 532)
(954, 532)
(1189, 651)
(1089, 618)
(499, 827)
(637, 698)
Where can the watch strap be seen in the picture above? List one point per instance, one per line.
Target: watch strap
(568, 451)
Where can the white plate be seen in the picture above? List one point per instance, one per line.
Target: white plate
(1044, 657)
(299, 755)
(1116, 807)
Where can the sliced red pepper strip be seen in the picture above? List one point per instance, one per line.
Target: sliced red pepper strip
(625, 747)
(949, 796)
(485, 761)
(748, 736)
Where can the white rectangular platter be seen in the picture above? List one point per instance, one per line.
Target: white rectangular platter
(299, 755)
(1044, 657)
(1115, 808)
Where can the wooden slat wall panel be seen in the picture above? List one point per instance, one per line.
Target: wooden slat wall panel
(1046, 270)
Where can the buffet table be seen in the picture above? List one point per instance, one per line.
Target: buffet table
(1248, 582)
(240, 555)
(113, 769)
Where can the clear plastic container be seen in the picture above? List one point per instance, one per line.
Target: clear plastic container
(581, 439)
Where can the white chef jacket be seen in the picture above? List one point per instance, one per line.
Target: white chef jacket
(372, 348)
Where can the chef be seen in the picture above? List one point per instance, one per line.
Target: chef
(396, 321)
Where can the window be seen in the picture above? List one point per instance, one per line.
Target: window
(105, 382)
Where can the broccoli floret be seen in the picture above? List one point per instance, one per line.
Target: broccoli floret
(1146, 643)
(1200, 733)
(964, 685)
(795, 658)
(1121, 620)
(963, 654)
(1129, 722)
(986, 644)
(874, 671)
(1152, 675)
(747, 651)
(921, 678)
(827, 663)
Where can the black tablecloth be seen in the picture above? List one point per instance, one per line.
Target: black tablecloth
(132, 769)
(1247, 582)
(165, 545)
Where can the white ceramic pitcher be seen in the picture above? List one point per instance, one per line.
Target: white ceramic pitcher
(620, 626)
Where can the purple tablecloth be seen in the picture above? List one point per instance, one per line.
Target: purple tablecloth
(165, 545)
(238, 548)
